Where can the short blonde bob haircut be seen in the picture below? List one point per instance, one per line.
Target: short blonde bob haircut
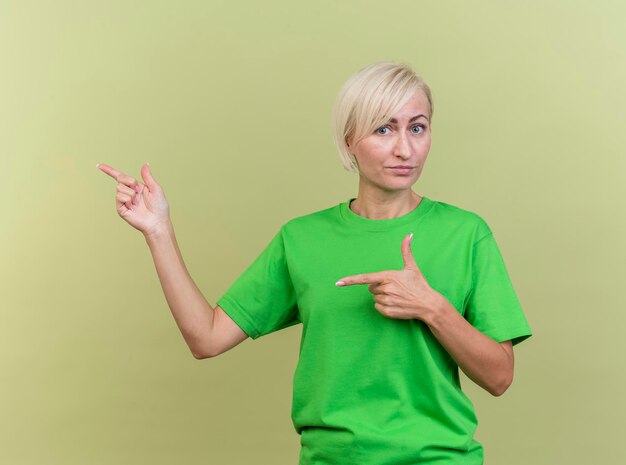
(369, 99)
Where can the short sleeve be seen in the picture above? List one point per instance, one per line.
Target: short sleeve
(262, 299)
(492, 306)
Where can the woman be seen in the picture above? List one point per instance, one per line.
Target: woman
(395, 292)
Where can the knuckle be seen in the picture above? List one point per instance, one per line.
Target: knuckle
(123, 189)
(128, 180)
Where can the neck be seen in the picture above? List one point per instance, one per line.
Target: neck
(384, 205)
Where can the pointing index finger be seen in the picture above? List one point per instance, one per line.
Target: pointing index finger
(365, 278)
(109, 170)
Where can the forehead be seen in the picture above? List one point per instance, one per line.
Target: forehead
(416, 105)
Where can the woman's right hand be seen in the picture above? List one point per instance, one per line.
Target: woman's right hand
(143, 206)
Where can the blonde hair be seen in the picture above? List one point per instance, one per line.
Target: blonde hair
(369, 99)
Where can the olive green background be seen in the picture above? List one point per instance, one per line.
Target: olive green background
(230, 102)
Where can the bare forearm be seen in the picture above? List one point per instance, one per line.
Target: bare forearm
(481, 358)
(191, 311)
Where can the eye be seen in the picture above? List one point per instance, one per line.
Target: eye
(382, 133)
(419, 126)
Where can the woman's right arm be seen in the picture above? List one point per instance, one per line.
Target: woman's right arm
(208, 332)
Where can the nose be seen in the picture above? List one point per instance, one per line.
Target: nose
(402, 147)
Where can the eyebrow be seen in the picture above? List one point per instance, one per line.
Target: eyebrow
(393, 120)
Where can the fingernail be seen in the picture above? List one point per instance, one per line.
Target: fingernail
(97, 165)
(411, 238)
(339, 283)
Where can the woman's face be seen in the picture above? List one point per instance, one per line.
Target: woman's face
(404, 141)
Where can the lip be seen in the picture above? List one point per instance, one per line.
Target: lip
(401, 169)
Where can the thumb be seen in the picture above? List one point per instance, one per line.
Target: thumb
(146, 174)
(407, 254)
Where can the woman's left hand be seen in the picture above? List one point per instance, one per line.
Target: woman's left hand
(403, 294)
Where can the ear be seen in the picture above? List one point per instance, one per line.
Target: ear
(348, 141)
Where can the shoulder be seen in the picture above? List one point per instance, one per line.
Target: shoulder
(319, 218)
(461, 219)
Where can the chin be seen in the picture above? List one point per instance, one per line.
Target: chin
(403, 180)
(398, 186)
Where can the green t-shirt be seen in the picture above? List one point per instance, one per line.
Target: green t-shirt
(369, 389)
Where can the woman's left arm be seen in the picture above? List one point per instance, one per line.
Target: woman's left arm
(406, 294)
(488, 363)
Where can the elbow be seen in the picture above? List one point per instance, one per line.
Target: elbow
(501, 387)
(201, 355)
(498, 391)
